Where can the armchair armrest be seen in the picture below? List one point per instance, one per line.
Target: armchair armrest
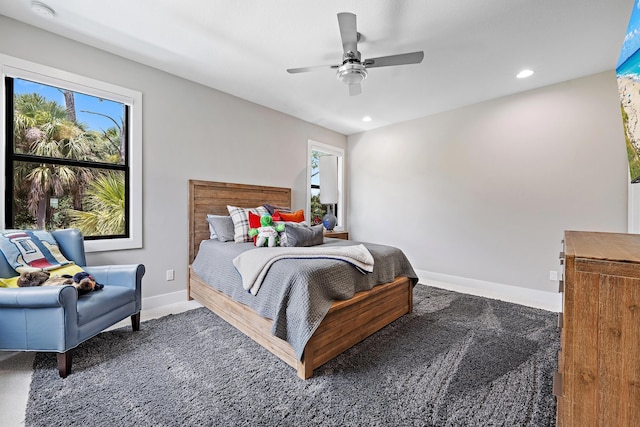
(39, 297)
(129, 276)
(39, 318)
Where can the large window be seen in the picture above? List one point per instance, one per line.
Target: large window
(71, 157)
(314, 206)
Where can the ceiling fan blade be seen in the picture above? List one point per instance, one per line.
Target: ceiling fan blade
(348, 31)
(401, 59)
(307, 69)
(355, 89)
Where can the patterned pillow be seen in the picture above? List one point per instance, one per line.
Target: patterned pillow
(240, 218)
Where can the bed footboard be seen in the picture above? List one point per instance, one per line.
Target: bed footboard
(347, 323)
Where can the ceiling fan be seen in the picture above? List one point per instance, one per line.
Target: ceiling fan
(353, 70)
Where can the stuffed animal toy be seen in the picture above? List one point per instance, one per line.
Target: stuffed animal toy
(32, 278)
(268, 232)
(82, 281)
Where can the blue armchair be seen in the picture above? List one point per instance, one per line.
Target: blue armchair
(55, 318)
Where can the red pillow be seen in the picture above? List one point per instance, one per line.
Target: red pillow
(297, 216)
(254, 222)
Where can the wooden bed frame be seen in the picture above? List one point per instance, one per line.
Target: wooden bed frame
(347, 322)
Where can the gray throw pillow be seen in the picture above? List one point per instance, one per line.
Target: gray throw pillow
(221, 227)
(300, 234)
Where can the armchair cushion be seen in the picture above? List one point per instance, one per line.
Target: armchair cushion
(99, 303)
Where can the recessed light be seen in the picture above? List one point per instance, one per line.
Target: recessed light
(42, 9)
(366, 119)
(524, 74)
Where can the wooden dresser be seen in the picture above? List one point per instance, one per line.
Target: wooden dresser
(598, 380)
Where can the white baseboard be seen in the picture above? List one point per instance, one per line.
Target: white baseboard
(164, 299)
(551, 301)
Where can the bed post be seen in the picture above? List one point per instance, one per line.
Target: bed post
(305, 369)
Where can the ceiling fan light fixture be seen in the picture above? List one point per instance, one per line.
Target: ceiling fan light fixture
(353, 69)
(351, 73)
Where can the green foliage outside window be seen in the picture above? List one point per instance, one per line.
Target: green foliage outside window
(58, 178)
(318, 210)
(104, 207)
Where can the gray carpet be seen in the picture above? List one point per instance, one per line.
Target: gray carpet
(457, 360)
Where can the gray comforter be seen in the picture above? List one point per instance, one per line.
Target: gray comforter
(297, 293)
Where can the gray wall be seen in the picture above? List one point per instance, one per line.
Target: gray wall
(189, 131)
(485, 192)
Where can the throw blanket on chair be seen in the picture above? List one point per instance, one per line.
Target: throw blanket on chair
(253, 265)
(31, 250)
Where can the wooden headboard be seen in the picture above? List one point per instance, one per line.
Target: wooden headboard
(206, 197)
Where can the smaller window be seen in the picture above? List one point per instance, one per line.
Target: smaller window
(315, 207)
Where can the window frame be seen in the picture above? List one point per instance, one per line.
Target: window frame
(336, 151)
(21, 69)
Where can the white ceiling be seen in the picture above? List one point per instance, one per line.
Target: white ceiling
(473, 48)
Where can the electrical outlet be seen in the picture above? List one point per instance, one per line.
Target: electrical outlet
(553, 276)
(170, 274)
